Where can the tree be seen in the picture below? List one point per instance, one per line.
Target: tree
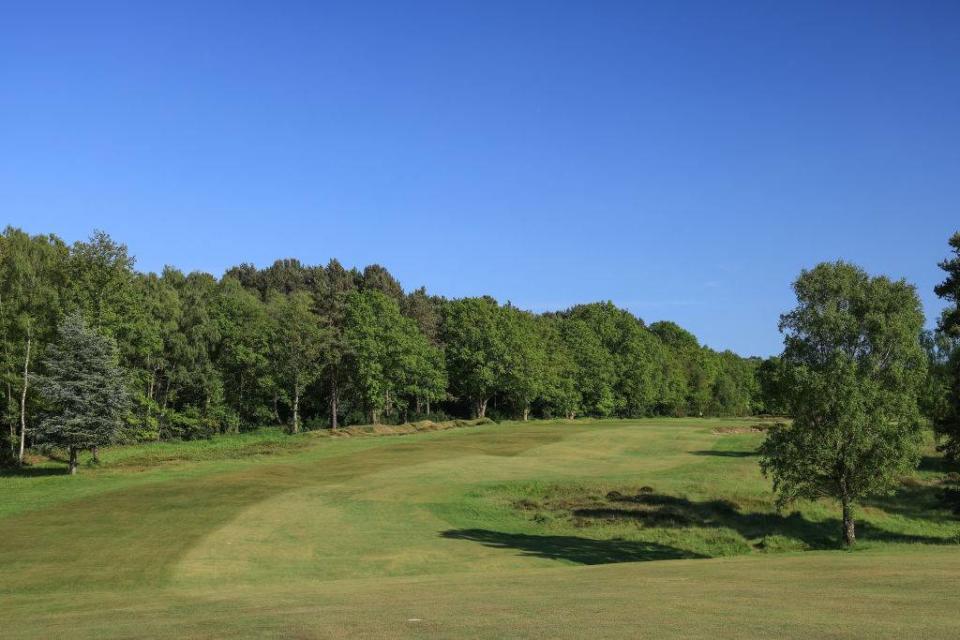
(243, 355)
(32, 283)
(524, 358)
(853, 365)
(193, 398)
(947, 415)
(771, 386)
(561, 390)
(392, 360)
(147, 352)
(697, 369)
(475, 350)
(330, 299)
(937, 392)
(101, 284)
(594, 366)
(85, 388)
(297, 342)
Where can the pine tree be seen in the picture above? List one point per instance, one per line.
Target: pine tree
(85, 388)
(947, 419)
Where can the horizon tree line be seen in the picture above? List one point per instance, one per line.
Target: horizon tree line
(310, 346)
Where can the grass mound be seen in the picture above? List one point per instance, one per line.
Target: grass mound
(401, 429)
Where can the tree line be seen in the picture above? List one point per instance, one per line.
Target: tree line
(310, 346)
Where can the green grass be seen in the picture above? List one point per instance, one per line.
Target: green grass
(494, 531)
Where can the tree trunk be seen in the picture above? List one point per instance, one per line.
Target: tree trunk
(240, 399)
(23, 400)
(73, 461)
(481, 409)
(276, 411)
(296, 406)
(374, 416)
(153, 378)
(849, 526)
(334, 392)
(428, 406)
(526, 413)
(166, 393)
(95, 452)
(13, 423)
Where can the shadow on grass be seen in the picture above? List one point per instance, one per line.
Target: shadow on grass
(32, 472)
(666, 511)
(937, 464)
(726, 454)
(930, 502)
(572, 548)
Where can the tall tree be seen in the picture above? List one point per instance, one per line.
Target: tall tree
(594, 366)
(947, 416)
(561, 389)
(32, 283)
(331, 302)
(475, 350)
(853, 362)
(147, 352)
(101, 280)
(392, 361)
(193, 405)
(243, 356)
(85, 388)
(524, 360)
(298, 341)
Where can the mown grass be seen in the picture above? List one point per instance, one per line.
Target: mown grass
(481, 532)
(719, 507)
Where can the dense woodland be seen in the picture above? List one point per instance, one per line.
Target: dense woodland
(320, 346)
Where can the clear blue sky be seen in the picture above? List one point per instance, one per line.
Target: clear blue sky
(682, 159)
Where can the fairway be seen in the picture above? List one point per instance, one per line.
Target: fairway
(642, 528)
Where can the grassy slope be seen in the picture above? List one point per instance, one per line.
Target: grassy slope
(323, 537)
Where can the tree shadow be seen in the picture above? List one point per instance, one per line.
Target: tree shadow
(666, 511)
(726, 454)
(32, 472)
(930, 502)
(572, 548)
(937, 464)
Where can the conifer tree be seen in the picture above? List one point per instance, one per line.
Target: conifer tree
(85, 388)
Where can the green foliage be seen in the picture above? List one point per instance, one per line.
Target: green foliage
(853, 366)
(475, 349)
(393, 363)
(942, 392)
(772, 389)
(298, 340)
(85, 389)
(309, 344)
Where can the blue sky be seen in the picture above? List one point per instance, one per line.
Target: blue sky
(682, 159)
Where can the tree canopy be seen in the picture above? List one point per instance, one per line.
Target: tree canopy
(311, 346)
(853, 365)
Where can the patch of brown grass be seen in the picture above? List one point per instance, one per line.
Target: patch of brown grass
(400, 429)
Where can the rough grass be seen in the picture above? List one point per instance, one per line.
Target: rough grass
(481, 532)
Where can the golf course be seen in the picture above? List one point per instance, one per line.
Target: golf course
(545, 529)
